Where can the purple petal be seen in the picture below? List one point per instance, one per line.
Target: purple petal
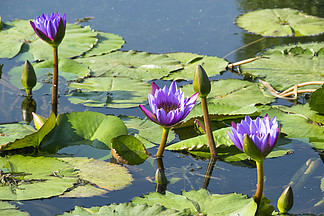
(148, 114)
(173, 88)
(154, 88)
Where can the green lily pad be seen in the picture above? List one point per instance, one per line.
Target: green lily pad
(107, 42)
(113, 92)
(322, 184)
(127, 209)
(212, 65)
(68, 68)
(280, 22)
(77, 40)
(128, 150)
(286, 66)
(11, 132)
(31, 139)
(133, 64)
(317, 100)
(35, 177)
(8, 209)
(83, 128)
(201, 201)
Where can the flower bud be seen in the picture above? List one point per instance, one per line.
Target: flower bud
(251, 149)
(201, 83)
(160, 177)
(28, 78)
(38, 120)
(286, 200)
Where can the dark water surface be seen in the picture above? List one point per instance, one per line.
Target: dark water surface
(203, 27)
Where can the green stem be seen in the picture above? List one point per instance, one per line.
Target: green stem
(163, 142)
(258, 193)
(55, 80)
(210, 137)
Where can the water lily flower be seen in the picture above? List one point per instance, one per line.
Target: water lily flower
(169, 106)
(255, 138)
(50, 28)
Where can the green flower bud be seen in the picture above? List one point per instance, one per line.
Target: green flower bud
(28, 106)
(286, 200)
(251, 149)
(38, 120)
(201, 83)
(160, 177)
(28, 78)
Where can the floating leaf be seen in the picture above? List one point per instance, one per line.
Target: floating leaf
(286, 66)
(280, 22)
(77, 40)
(107, 42)
(201, 201)
(212, 65)
(8, 209)
(83, 128)
(114, 92)
(128, 150)
(32, 139)
(107, 176)
(133, 64)
(317, 100)
(68, 68)
(35, 177)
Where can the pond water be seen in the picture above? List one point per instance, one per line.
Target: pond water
(202, 27)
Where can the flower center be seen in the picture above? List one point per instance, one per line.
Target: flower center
(167, 107)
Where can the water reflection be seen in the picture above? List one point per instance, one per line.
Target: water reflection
(209, 172)
(161, 181)
(28, 106)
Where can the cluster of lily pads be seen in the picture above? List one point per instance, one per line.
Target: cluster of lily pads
(94, 72)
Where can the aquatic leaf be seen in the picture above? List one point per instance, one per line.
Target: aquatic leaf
(87, 190)
(146, 129)
(127, 209)
(114, 92)
(286, 66)
(201, 201)
(68, 69)
(322, 184)
(128, 150)
(77, 40)
(107, 176)
(36, 177)
(32, 139)
(212, 65)
(133, 64)
(107, 42)
(280, 22)
(11, 132)
(8, 209)
(83, 128)
(317, 100)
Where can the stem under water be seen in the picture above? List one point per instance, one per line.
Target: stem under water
(210, 137)
(258, 193)
(55, 80)
(163, 142)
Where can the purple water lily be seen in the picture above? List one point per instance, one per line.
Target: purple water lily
(264, 134)
(169, 106)
(50, 28)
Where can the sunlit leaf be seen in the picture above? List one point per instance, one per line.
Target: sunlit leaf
(36, 177)
(133, 64)
(107, 42)
(8, 209)
(286, 66)
(317, 100)
(114, 92)
(280, 22)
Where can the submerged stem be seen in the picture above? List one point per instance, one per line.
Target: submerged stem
(55, 80)
(163, 142)
(211, 141)
(258, 193)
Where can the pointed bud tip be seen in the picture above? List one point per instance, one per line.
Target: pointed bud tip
(286, 200)
(201, 83)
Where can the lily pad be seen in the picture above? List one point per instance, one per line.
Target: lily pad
(77, 40)
(133, 64)
(35, 177)
(286, 66)
(113, 92)
(317, 100)
(68, 69)
(31, 139)
(201, 201)
(212, 65)
(128, 150)
(83, 128)
(280, 22)
(8, 209)
(107, 42)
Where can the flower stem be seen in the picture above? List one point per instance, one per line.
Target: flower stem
(258, 193)
(55, 80)
(163, 142)
(211, 141)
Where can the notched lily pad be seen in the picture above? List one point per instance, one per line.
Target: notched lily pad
(280, 22)
(107, 42)
(8, 209)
